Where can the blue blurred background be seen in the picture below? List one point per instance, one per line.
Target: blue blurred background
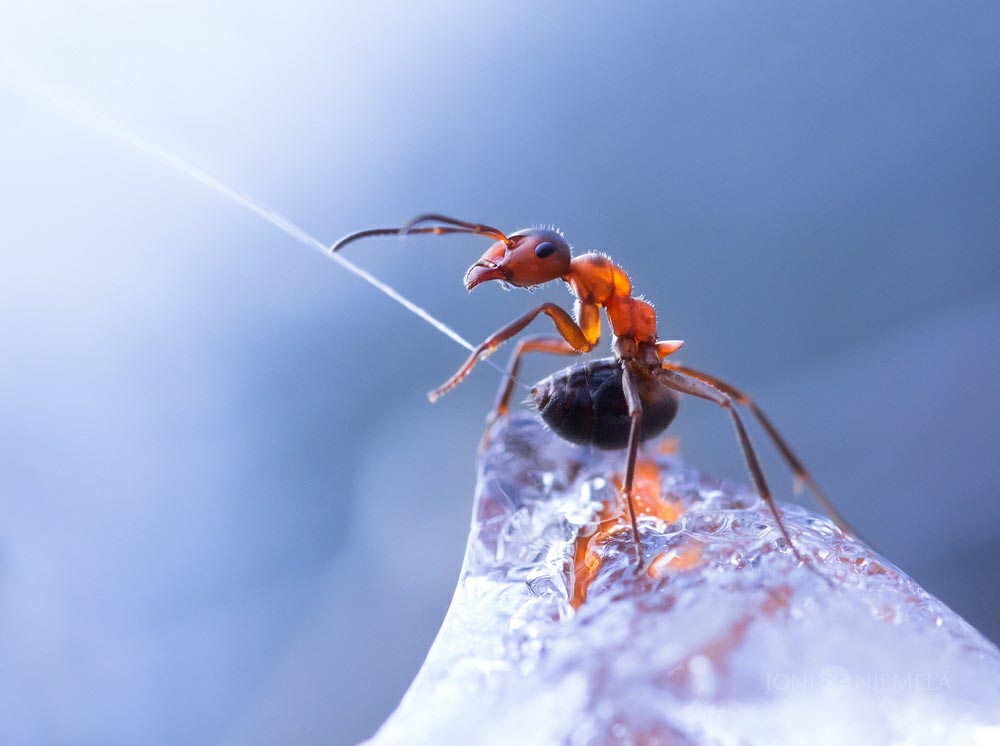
(228, 513)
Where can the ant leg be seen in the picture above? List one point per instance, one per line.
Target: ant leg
(634, 402)
(689, 385)
(798, 468)
(565, 325)
(540, 343)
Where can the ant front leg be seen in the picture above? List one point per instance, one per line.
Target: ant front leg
(565, 325)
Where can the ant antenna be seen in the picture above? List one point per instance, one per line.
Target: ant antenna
(458, 226)
(433, 217)
(436, 230)
(168, 159)
(410, 227)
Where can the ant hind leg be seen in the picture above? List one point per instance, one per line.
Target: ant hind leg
(802, 474)
(689, 385)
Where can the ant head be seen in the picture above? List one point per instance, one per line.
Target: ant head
(530, 257)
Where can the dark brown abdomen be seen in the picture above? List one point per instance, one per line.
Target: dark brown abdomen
(585, 404)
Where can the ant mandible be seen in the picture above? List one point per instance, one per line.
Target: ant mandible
(614, 402)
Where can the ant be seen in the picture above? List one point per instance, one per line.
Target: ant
(611, 403)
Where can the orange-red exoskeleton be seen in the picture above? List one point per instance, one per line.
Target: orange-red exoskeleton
(614, 402)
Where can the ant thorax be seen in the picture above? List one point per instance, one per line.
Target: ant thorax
(595, 279)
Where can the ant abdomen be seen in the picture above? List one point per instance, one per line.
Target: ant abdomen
(585, 404)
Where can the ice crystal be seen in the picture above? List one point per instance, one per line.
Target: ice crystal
(553, 638)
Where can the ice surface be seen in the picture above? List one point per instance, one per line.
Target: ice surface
(551, 637)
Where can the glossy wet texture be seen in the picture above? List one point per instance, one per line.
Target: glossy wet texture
(585, 404)
(723, 638)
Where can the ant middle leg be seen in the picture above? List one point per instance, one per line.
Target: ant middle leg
(634, 402)
(794, 463)
(689, 385)
(541, 343)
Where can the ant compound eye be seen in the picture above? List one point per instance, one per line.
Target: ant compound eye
(545, 249)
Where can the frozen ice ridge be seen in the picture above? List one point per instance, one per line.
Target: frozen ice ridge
(723, 638)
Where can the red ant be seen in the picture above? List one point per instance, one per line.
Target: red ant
(611, 403)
